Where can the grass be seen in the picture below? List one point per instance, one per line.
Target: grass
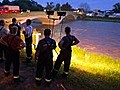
(93, 71)
(90, 71)
(105, 19)
(11, 15)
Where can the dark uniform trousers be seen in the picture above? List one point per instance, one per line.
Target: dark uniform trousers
(44, 61)
(12, 57)
(2, 51)
(28, 46)
(63, 56)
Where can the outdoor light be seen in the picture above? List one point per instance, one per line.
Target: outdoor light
(60, 14)
(50, 12)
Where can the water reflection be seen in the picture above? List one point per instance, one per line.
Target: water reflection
(100, 37)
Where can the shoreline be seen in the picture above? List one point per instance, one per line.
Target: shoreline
(43, 26)
(101, 19)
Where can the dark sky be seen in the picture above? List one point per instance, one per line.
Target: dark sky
(94, 4)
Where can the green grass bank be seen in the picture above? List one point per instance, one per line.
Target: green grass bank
(90, 71)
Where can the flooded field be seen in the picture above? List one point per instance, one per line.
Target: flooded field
(100, 37)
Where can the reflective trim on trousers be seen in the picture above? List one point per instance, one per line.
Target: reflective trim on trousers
(48, 80)
(38, 79)
(6, 71)
(65, 72)
(28, 57)
(15, 76)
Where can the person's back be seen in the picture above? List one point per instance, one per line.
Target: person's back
(45, 57)
(68, 40)
(13, 43)
(65, 54)
(46, 45)
(14, 23)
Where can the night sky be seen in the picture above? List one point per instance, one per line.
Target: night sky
(94, 4)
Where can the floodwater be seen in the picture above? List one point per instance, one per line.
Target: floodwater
(100, 37)
(94, 36)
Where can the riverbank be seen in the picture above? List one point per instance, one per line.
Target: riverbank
(103, 19)
(18, 15)
(36, 14)
(88, 71)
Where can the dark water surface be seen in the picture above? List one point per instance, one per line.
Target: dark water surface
(100, 37)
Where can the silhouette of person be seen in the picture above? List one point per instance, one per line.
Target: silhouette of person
(13, 43)
(14, 23)
(45, 57)
(28, 39)
(65, 53)
(3, 32)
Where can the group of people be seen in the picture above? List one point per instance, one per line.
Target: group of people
(11, 43)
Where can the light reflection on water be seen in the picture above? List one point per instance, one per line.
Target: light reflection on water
(100, 37)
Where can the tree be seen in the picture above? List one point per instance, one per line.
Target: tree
(66, 7)
(5, 2)
(24, 6)
(85, 6)
(0, 4)
(57, 7)
(50, 6)
(27, 4)
(35, 6)
(116, 7)
(14, 3)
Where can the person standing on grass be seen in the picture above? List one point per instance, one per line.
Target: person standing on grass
(14, 23)
(3, 32)
(45, 57)
(65, 54)
(13, 43)
(28, 39)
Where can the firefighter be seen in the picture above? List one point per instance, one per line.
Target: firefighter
(14, 23)
(45, 57)
(13, 43)
(65, 53)
(3, 32)
(28, 39)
